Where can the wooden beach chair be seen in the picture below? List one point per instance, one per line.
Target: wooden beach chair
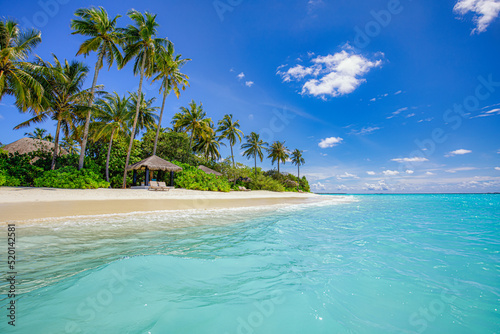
(163, 186)
(153, 185)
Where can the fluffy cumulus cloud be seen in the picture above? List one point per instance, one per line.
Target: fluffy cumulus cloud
(390, 172)
(241, 75)
(370, 173)
(414, 159)
(331, 75)
(318, 186)
(330, 142)
(485, 12)
(380, 186)
(429, 173)
(497, 168)
(458, 152)
(249, 83)
(409, 171)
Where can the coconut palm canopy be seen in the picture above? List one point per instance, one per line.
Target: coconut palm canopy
(28, 145)
(209, 171)
(155, 163)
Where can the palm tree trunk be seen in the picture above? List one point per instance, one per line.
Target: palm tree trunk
(191, 140)
(298, 176)
(87, 120)
(109, 154)
(159, 121)
(56, 146)
(234, 166)
(139, 91)
(278, 167)
(255, 156)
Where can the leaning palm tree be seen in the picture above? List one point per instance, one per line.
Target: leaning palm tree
(104, 38)
(253, 148)
(298, 160)
(66, 98)
(147, 113)
(168, 72)
(16, 74)
(113, 116)
(230, 130)
(193, 120)
(278, 152)
(70, 145)
(142, 45)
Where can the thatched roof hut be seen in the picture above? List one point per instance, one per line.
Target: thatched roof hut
(209, 171)
(155, 163)
(28, 145)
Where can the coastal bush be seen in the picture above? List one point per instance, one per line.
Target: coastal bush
(71, 178)
(195, 179)
(262, 182)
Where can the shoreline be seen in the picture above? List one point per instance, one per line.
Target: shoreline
(18, 204)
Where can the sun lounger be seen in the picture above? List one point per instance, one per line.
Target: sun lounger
(153, 185)
(163, 186)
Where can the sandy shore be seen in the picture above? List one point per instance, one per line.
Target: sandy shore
(18, 204)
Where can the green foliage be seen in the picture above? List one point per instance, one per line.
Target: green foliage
(18, 169)
(71, 178)
(195, 179)
(171, 146)
(262, 182)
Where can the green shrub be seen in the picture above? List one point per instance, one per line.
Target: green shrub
(71, 178)
(262, 182)
(195, 179)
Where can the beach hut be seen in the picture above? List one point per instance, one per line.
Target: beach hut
(151, 164)
(28, 145)
(209, 171)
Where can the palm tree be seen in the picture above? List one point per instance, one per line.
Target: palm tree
(38, 133)
(168, 72)
(141, 44)
(254, 147)
(298, 160)
(278, 152)
(147, 113)
(230, 131)
(193, 120)
(70, 145)
(16, 74)
(95, 23)
(114, 116)
(65, 98)
(208, 144)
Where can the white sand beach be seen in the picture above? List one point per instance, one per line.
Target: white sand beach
(23, 203)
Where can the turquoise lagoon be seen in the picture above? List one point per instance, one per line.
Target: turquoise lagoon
(364, 264)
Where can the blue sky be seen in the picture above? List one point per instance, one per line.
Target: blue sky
(382, 96)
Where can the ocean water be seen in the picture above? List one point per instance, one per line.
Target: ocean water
(369, 264)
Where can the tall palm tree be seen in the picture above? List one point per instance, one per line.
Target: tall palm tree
(142, 45)
(66, 98)
(113, 116)
(298, 160)
(168, 72)
(95, 23)
(70, 145)
(253, 148)
(278, 152)
(147, 113)
(16, 74)
(208, 144)
(193, 120)
(230, 130)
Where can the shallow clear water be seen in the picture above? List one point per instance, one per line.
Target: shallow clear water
(377, 264)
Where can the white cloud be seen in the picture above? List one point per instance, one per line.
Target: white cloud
(370, 173)
(409, 171)
(347, 175)
(318, 186)
(397, 112)
(377, 186)
(398, 92)
(390, 172)
(488, 113)
(460, 169)
(458, 152)
(330, 142)
(343, 187)
(429, 173)
(241, 75)
(410, 115)
(249, 83)
(364, 131)
(414, 159)
(486, 11)
(497, 168)
(333, 75)
(323, 154)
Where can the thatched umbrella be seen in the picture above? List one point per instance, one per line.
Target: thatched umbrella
(209, 171)
(28, 145)
(154, 163)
